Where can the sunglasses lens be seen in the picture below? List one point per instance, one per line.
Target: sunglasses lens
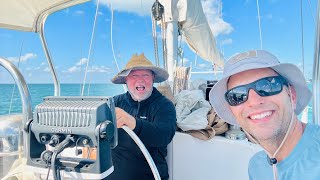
(268, 86)
(237, 95)
(264, 87)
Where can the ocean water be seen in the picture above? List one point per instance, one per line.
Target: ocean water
(12, 103)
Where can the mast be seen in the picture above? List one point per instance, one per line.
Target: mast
(316, 74)
(171, 47)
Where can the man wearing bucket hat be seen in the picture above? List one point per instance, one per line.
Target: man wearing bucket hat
(149, 114)
(264, 97)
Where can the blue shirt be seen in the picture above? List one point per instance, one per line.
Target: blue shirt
(303, 163)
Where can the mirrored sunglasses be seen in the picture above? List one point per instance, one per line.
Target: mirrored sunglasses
(267, 86)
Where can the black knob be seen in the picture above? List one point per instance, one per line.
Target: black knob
(106, 130)
(44, 138)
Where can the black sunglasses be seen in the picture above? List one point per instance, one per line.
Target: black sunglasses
(267, 86)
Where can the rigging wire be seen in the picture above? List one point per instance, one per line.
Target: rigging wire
(14, 84)
(180, 48)
(90, 80)
(90, 47)
(314, 21)
(164, 44)
(111, 39)
(81, 61)
(304, 116)
(155, 40)
(258, 9)
(157, 12)
(302, 40)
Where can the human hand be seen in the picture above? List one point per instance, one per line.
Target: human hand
(123, 118)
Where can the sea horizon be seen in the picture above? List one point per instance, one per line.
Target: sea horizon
(10, 99)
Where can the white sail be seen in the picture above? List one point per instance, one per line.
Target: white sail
(194, 26)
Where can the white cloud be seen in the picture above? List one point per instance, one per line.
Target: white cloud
(28, 56)
(140, 7)
(82, 61)
(23, 58)
(43, 64)
(77, 67)
(99, 69)
(202, 65)
(211, 8)
(47, 69)
(185, 61)
(38, 68)
(226, 41)
(213, 11)
(73, 69)
(94, 69)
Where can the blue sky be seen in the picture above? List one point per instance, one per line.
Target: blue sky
(234, 24)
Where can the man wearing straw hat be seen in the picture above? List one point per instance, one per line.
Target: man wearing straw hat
(264, 97)
(149, 114)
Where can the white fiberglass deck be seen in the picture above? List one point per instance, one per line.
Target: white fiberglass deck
(190, 158)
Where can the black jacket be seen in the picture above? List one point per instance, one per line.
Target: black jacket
(155, 126)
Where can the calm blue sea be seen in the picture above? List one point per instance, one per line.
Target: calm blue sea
(39, 91)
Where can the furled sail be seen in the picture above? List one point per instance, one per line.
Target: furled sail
(194, 26)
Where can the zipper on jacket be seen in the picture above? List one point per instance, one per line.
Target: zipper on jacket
(136, 116)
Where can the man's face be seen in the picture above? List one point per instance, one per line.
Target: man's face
(140, 83)
(265, 118)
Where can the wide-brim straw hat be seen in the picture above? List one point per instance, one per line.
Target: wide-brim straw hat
(254, 60)
(140, 62)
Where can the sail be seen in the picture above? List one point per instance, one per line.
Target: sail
(27, 15)
(195, 28)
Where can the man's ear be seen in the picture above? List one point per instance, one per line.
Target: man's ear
(291, 90)
(153, 77)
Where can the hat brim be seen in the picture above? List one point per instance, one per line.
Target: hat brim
(289, 71)
(159, 73)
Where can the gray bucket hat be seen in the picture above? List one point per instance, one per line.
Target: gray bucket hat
(140, 62)
(254, 60)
